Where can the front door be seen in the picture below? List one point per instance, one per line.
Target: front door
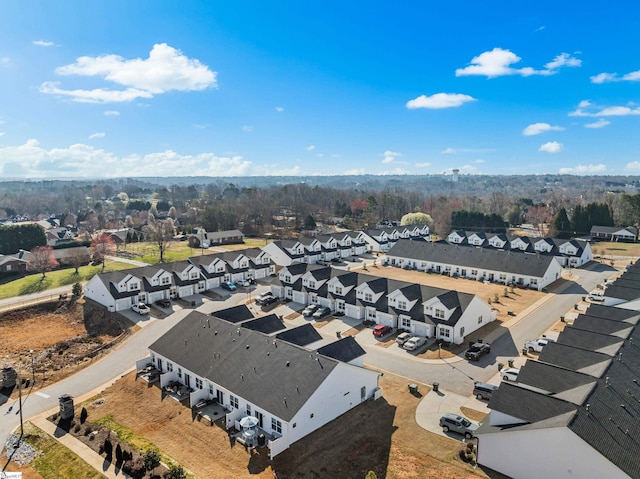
(220, 396)
(187, 380)
(260, 417)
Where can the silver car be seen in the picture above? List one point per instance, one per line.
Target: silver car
(459, 424)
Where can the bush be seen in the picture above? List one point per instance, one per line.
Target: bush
(151, 459)
(134, 467)
(176, 472)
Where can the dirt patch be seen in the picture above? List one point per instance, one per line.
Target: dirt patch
(349, 332)
(321, 324)
(387, 343)
(377, 435)
(49, 341)
(292, 316)
(473, 414)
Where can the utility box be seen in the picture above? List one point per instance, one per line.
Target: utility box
(9, 377)
(66, 407)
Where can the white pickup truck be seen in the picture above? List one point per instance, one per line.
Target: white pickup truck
(140, 308)
(536, 345)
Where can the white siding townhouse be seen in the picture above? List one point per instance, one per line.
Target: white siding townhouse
(291, 390)
(119, 290)
(423, 310)
(286, 252)
(575, 412)
(528, 270)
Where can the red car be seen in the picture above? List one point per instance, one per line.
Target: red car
(381, 330)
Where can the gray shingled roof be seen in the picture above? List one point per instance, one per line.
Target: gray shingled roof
(562, 383)
(602, 343)
(346, 349)
(514, 262)
(246, 362)
(235, 314)
(266, 324)
(301, 336)
(611, 312)
(621, 329)
(582, 360)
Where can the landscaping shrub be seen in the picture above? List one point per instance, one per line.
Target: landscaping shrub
(134, 467)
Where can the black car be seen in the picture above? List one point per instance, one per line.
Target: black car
(476, 350)
(165, 303)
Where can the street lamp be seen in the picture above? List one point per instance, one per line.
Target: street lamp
(33, 367)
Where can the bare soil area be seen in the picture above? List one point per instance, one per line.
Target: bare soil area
(49, 341)
(378, 435)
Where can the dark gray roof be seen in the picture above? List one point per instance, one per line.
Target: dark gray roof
(266, 324)
(611, 312)
(627, 282)
(246, 362)
(297, 268)
(511, 261)
(235, 314)
(619, 292)
(301, 336)
(621, 329)
(556, 381)
(581, 360)
(346, 349)
(602, 343)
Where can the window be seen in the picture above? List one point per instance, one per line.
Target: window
(480, 319)
(371, 313)
(287, 278)
(462, 331)
(402, 305)
(445, 333)
(474, 272)
(312, 284)
(199, 383)
(169, 366)
(340, 306)
(405, 323)
(439, 313)
(276, 425)
(338, 290)
(179, 372)
(503, 277)
(165, 280)
(234, 401)
(211, 389)
(194, 275)
(368, 297)
(265, 260)
(248, 409)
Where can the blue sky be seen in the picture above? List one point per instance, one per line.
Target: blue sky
(219, 88)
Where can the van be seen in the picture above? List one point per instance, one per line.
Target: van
(483, 391)
(596, 296)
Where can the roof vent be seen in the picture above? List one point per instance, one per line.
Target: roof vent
(288, 363)
(208, 324)
(588, 406)
(215, 333)
(606, 381)
(242, 377)
(247, 346)
(620, 356)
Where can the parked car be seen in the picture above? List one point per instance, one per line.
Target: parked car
(309, 310)
(263, 296)
(536, 345)
(164, 303)
(414, 343)
(459, 424)
(476, 350)
(596, 296)
(269, 301)
(510, 374)
(321, 312)
(403, 338)
(336, 260)
(141, 308)
(228, 285)
(483, 391)
(243, 282)
(381, 330)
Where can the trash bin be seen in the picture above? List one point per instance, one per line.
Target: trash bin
(436, 387)
(525, 351)
(500, 366)
(510, 363)
(413, 388)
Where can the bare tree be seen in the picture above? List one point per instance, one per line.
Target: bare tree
(42, 260)
(161, 233)
(101, 247)
(77, 257)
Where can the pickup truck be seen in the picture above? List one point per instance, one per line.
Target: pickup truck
(476, 350)
(536, 345)
(140, 308)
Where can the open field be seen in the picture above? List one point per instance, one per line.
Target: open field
(377, 435)
(607, 248)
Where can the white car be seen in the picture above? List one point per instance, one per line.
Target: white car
(414, 343)
(141, 308)
(403, 338)
(243, 282)
(509, 374)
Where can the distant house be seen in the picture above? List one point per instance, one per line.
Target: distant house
(290, 390)
(574, 412)
(528, 270)
(613, 233)
(202, 238)
(12, 264)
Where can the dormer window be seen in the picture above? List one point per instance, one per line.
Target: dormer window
(312, 284)
(243, 264)
(439, 313)
(338, 290)
(287, 279)
(165, 280)
(402, 304)
(368, 297)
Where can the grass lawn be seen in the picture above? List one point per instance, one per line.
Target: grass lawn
(55, 461)
(605, 248)
(34, 283)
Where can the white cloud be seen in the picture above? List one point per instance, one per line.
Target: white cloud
(4, 61)
(588, 109)
(320, 155)
(247, 128)
(2, 133)
(112, 113)
(395, 171)
(30, 160)
(279, 109)
(479, 161)
(355, 172)
(537, 128)
(539, 29)
(166, 69)
(498, 62)
(426, 164)
(43, 43)
(390, 156)
(634, 165)
(439, 100)
(310, 148)
(563, 60)
(551, 147)
(601, 123)
(582, 169)
(96, 135)
(613, 77)
(448, 151)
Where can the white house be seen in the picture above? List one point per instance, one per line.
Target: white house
(291, 390)
(285, 252)
(574, 412)
(614, 233)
